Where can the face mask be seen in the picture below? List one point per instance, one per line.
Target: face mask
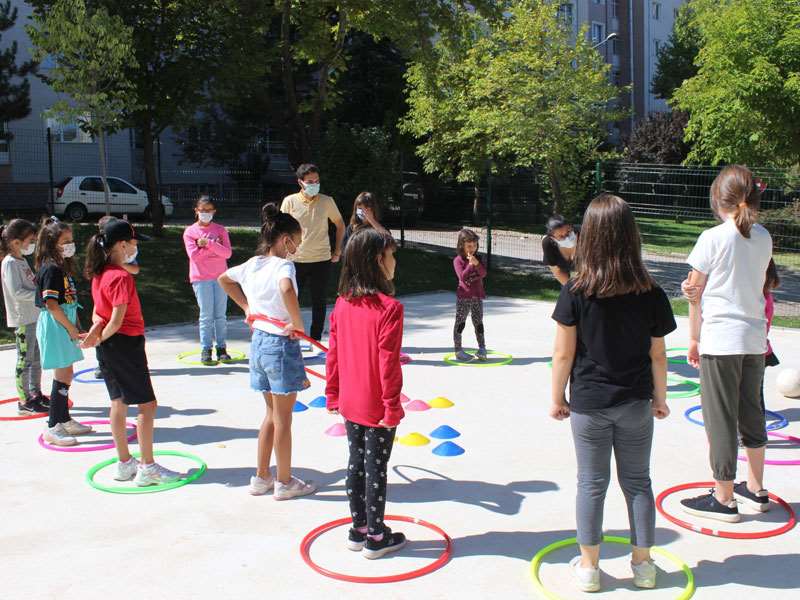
(132, 258)
(68, 250)
(205, 217)
(569, 241)
(29, 249)
(361, 214)
(311, 189)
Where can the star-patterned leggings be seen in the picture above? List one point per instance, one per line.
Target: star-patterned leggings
(370, 449)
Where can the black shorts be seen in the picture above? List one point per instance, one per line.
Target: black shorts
(125, 370)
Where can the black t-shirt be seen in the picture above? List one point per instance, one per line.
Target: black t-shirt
(53, 282)
(552, 257)
(612, 358)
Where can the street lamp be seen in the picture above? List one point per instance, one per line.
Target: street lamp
(610, 36)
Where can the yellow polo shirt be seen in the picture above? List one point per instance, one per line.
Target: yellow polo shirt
(313, 215)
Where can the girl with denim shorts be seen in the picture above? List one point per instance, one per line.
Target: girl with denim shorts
(266, 285)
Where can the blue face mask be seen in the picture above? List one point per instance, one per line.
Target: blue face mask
(311, 189)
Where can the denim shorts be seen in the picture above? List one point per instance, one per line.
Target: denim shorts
(276, 364)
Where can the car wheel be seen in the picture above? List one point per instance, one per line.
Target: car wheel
(76, 212)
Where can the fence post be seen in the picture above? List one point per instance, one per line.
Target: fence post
(598, 177)
(51, 193)
(489, 220)
(158, 159)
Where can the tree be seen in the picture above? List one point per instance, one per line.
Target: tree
(676, 59)
(91, 50)
(659, 139)
(15, 97)
(519, 93)
(744, 102)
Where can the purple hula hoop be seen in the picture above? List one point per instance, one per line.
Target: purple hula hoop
(785, 463)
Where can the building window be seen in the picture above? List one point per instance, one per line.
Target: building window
(5, 157)
(656, 12)
(616, 46)
(599, 2)
(565, 13)
(657, 44)
(598, 32)
(616, 77)
(614, 9)
(68, 132)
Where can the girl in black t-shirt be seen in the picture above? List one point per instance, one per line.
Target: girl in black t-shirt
(612, 319)
(558, 248)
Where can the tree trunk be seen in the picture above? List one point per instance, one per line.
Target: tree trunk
(297, 144)
(476, 201)
(151, 182)
(101, 144)
(322, 85)
(555, 186)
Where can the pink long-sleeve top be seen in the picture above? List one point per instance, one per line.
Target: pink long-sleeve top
(363, 360)
(210, 261)
(470, 278)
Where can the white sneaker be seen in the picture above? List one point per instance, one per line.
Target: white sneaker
(644, 574)
(588, 579)
(57, 436)
(296, 487)
(126, 470)
(154, 474)
(259, 486)
(72, 427)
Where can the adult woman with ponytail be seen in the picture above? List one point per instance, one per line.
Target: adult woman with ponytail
(729, 340)
(266, 285)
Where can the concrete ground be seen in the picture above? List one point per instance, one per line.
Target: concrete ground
(510, 494)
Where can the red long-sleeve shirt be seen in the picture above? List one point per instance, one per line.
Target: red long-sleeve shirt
(363, 360)
(470, 279)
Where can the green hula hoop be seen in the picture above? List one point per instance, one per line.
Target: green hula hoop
(151, 489)
(690, 393)
(677, 361)
(536, 562)
(236, 356)
(507, 358)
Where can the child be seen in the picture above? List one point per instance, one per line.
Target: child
(364, 382)
(18, 239)
(266, 285)
(133, 269)
(119, 329)
(366, 213)
(470, 272)
(615, 388)
(209, 249)
(729, 340)
(57, 329)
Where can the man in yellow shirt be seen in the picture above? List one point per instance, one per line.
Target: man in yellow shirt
(313, 259)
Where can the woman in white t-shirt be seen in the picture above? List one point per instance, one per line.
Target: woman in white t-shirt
(266, 285)
(728, 342)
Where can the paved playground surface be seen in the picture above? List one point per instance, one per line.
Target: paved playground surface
(510, 494)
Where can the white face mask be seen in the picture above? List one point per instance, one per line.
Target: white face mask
(29, 249)
(68, 250)
(569, 241)
(311, 189)
(361, 214)
(132, 258)
(205, 217)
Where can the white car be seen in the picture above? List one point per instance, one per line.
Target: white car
(78, 197)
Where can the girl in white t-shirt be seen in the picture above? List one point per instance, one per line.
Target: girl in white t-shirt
(728, 342)
(266, 285)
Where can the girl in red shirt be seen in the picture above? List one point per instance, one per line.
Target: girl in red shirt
(119, 329)
(364, 382)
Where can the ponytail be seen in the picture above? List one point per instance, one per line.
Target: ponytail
(745, 218)
(47, 242)
(736, 191)
(17, 229)
(97, 256)
(276, 224)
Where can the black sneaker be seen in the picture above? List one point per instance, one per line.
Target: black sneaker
(222, 354)
(43, 400)
(206, 358)
(709, 507)
(758, 501)
(390, 542)
(356, 540)
(32, 407)
(98, 373)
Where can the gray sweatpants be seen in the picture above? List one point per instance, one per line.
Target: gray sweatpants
(28, 371)
(731, 387)
(628, 430)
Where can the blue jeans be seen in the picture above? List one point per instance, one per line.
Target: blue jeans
(213, 303)
(276, 364)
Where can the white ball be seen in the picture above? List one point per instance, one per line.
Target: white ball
(788, 383)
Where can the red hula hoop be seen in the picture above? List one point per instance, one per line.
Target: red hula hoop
(778, 462)
(282, 324)
(735, 535)
(25, 417)
(444, 557)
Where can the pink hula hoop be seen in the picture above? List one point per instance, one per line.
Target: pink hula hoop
(97, 448)
(776, 462)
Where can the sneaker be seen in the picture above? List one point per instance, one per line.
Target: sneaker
(259, 486)
(205, 357)
(356, 540)
(222, 354)
(154, 474)
(390, 542)
(127, 470)
(98, 373)
(72, 427)
(295, 488)
(31, 407)
(57, 436)
(644, 574)
(42, 400)
(757, 501)
(709, 507)
(462, 356)
(588, 579)
(481, 354)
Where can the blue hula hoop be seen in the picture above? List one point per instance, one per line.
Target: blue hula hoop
(76, 376)
(779, 421)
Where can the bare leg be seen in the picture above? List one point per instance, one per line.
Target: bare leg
(639, 555)
(724, 491)
(266, 437)
(282, 418)
(755, 468)
(119, 414)
(590, 556)
(63, 375)
(144, 430)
